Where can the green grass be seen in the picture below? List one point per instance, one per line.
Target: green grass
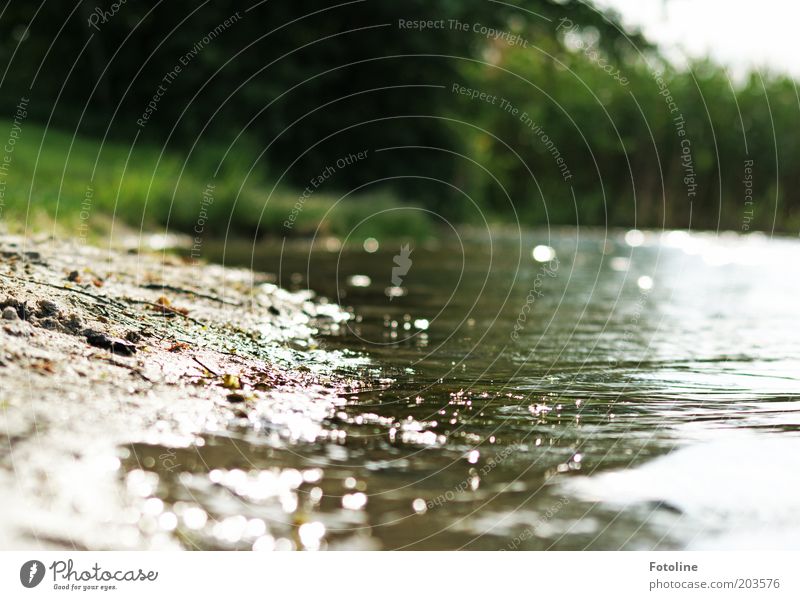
(77, 187)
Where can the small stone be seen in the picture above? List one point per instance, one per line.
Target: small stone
(73, 323)
(9, 314)
(116, 345)
(47, 308)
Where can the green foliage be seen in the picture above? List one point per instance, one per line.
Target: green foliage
(625, 144)
(268, 99)
(76, 186)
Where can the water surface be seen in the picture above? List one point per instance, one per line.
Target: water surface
(570, 389)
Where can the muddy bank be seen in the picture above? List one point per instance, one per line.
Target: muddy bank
(106, 351)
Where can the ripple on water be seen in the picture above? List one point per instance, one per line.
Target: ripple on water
(647, 401)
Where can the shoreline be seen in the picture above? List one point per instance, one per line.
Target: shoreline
(104, 349)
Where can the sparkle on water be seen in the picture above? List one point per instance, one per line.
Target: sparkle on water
(634, 238)
(371, 245)
(359, 281)
(543, 254)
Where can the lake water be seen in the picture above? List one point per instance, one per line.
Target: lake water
(570, 389)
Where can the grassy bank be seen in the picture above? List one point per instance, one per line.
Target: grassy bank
(80, 185)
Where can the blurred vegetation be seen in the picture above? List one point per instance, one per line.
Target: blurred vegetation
(271, 95)
(52, 185)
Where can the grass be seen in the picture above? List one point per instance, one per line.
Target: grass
(78, 187)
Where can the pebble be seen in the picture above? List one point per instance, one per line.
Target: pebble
(48, 308)
(116, 345)
(9, 314)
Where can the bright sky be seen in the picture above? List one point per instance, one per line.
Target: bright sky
(741, 34)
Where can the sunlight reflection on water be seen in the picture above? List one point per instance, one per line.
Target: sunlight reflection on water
(648, 401)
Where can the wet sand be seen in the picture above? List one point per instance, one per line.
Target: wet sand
(103, 349)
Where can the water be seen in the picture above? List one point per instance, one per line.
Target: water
(625, 390)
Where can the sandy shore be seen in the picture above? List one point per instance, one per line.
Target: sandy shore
(104, 348)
